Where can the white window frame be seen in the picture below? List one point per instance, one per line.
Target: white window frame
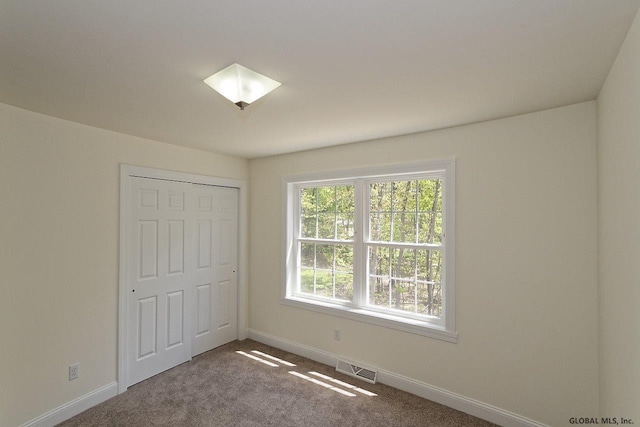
(440, 328)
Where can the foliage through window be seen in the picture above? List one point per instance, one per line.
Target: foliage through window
(373, 244)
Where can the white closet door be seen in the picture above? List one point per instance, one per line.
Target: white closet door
(215, 267)
(159, 289)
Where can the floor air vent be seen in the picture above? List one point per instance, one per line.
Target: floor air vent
(352, 369)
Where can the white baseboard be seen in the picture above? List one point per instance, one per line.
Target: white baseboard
(436, 394)
(74, 407)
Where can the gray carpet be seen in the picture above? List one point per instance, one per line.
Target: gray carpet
(225, 388)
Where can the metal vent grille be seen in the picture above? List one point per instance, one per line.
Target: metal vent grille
(357, 371)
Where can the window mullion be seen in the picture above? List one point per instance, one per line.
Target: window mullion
(415, 281)
(297, 233)
(335, 236)
(392, 209)
(315, 266)
(316, 213)
(335, 212)
(359, 248)
(333, 272)
(392, 253)
(416, 219)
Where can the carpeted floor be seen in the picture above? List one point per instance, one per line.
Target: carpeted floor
(226, 388)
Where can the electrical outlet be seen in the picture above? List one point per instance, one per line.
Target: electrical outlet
(336, 334)
(74, 371)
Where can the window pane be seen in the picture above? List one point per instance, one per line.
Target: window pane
(327, 212)
(306, 280)
(430, 211)
(404, 227)
(404, 296)
(429, 265)
(326, 225)
(344, 259)
(404, 196)
(344, 286)
(378, 261)
(308, 212)
(430, 195)
(380, 212)
(345, 199)
(326, 270)
(324, 283)
(404, 263)
(345, 226)
(397, 279)
(324, 256)
(430, 299)
(307, 255)
(393, 294)
(380, 227)
(406, 211)
(308, 200)
(393, 211)
(308, 225)
(379, 291)
(430, 227)
(380, 197)
(326, 199)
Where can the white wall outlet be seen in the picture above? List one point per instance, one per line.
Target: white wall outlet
(336, 334)
(74, 371)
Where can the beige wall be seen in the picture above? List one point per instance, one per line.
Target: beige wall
(619, 232)
(526, 291)
(59, 231)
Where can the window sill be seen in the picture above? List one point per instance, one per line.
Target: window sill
(374, 318)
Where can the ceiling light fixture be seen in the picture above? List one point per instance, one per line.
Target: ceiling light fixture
(241, 85)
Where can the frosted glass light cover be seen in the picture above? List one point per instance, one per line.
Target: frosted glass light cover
(241, 85)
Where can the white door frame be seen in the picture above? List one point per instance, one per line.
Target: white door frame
(128, 171)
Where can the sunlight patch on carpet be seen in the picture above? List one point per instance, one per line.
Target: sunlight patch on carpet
(268, 356)
(251, 356)
(320, 383)
(344, 384)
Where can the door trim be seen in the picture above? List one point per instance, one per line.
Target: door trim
(128, 171)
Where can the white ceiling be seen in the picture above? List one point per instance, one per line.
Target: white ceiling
(350, 70)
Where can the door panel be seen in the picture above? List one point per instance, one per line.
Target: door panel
(175, 318)
(146, 327)
(203, 296)
(222, 303)
(148, 249)
(176, 246)
(204, 244)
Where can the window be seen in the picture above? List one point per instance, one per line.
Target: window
(374, 245)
